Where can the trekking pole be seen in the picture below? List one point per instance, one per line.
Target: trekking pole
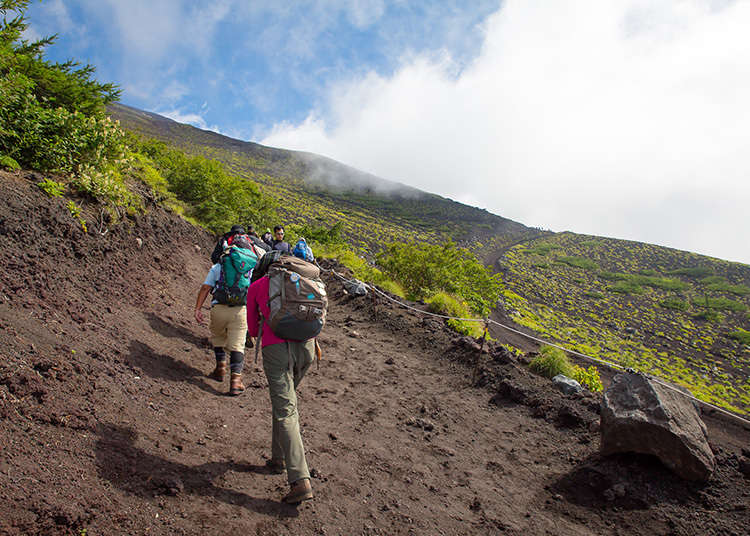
(478, 362)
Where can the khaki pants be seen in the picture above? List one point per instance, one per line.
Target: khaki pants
(285, 365)
(228, 327)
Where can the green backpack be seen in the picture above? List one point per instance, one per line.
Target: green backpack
(236, 266)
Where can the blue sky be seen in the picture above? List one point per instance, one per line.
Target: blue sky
(622, 118)
(241, 67)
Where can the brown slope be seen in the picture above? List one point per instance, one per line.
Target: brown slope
(108, 422)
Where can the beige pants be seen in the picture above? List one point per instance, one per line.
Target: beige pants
(285, 365)
(228, 327)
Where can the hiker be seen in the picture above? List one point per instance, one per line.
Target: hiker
(228, 280)
(285, 362)
(278, 241)
(224, 241)
(268, 238)
(256, 239)
(303, 251)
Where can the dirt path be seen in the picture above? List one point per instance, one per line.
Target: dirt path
(109, 424)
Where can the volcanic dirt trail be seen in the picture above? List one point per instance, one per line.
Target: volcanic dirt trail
(109, 424)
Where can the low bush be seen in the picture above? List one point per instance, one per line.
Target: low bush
(425, 269)
(675, 304)
(741, 335)
(588, 377)
(722, 304)
(445, 304)
(578, 262)
(626, 287)
(550, 362)
(6, 162)
(52, 188)
(693, 272)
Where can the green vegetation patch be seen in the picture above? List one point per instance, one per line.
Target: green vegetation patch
(721, 304)
(675, 304)
(552, 361)
(741, 335)
(693, 272)
(578, 262)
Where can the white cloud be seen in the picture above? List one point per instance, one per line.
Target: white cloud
(623, 119)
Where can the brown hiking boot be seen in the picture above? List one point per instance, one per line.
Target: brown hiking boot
(219, 371)
(300, 491)
(235, 383)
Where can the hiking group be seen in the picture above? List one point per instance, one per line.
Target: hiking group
(264, 288)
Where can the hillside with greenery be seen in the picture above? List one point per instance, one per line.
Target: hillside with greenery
(314, 190)
(681, 316)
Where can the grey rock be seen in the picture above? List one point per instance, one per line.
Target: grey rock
(567, 385)
(640, 415)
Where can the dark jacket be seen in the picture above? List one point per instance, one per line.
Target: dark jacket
(258, 242)
(219, 249)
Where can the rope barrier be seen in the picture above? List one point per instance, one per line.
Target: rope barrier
(542, 341)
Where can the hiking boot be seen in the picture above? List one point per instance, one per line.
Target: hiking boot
(235, 383)
(219, 371)
(299, 491)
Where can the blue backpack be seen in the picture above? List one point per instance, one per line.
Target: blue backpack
(303, 251)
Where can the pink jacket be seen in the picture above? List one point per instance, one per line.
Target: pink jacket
(257, 299)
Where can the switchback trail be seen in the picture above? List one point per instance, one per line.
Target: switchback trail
(108, 422)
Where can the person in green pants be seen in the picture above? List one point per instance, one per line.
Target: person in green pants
(285, 364)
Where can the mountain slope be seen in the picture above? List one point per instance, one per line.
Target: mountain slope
(110, 426)
(312, 188)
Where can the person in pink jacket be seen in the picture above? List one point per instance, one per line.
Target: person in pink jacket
(285, 364)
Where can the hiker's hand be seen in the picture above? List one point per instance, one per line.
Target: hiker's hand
(199, 316)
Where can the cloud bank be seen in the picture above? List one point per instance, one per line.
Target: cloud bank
(617, 118)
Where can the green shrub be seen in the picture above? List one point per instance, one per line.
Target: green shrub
(725, 286)
(550, 362)
(6, 162)
(321, 234)
(723, 304)
(445, 304)
(213, 197)
(693, 272)
(543, 248)
(52, 188)
(626, 287)
(613, 276)
(425, 269)
(709, 315)
(741, 335)
(674, 303)
(589, 378)
(593, 294)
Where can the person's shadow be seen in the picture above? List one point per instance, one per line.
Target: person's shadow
(166, 329)
(141, 473)
(166, 368)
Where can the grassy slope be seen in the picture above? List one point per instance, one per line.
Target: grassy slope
(617, 300)
(315, 189)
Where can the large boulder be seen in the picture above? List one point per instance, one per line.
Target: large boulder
(639, 415)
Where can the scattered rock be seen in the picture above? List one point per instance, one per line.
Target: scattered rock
(744, 467)
(642, 416)
(389, 361)
(139, 242)
(567, 385)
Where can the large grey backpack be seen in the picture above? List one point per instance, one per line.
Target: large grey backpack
(297, 299)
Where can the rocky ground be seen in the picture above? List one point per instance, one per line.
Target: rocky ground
(109, 425)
